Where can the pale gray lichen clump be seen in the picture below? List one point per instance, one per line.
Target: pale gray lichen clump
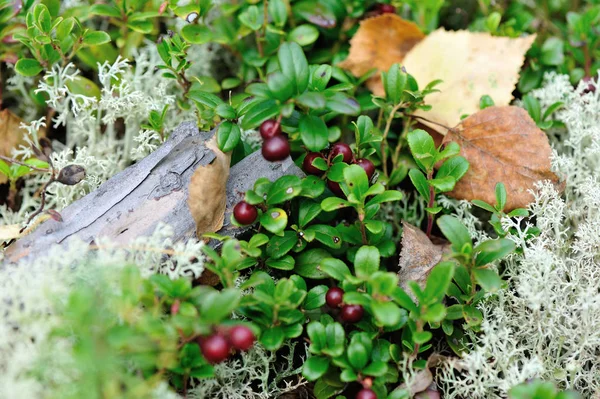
(547, 322)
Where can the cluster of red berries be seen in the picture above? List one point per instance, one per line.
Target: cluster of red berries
(382, 8)
(350, 313)
(347, 157)
(217, 347)
(275, 146)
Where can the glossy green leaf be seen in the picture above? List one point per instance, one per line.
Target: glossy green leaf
(28, 67)
(274, 220)
(313, 132)
(228, 136)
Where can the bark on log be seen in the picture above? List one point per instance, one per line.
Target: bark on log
(154, 190)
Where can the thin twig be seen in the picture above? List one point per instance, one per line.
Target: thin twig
(428, 120)
(12, 160)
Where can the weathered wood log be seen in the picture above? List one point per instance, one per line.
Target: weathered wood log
(154, 190)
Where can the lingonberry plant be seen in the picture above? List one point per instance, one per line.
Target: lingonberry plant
(312, 263)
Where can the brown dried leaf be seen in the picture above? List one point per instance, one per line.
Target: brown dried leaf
(11, 135)
(379, 43)
(418, 256)
(470, 64)
(502, 144)
(207, 191)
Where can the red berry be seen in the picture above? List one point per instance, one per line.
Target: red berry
(386, 8)
(215, 348)
(244, 213)
(344, 149)
(366, 394)
(307, 163)
(270, 128)
(241, 337)
(367, 166)
(334, 297)
(352, 313)
(277, 148)
(335, 188)
(590, 88)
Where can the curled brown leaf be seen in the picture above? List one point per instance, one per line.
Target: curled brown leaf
(502, 145)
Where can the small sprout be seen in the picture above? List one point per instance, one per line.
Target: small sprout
(71, 175)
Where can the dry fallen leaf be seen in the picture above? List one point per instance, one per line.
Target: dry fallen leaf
(11, 135)
(379, 43)
(470, 64)
(502, 144)
(207, 191)
(9, 232)
(418, 256)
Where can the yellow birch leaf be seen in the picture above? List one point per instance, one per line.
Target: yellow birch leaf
(470, 64)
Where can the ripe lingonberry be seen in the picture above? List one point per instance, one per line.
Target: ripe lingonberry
(352, 313)
(307, 163)
(244, 213)
(215, 348)
(276, 148)
(366, 394)
(335, 188)
(270, 128)
(344, 149)
(386, 8)
(367, 166)
(334, 297)
(241, 337)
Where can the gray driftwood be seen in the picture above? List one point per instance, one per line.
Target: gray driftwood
(154, 190)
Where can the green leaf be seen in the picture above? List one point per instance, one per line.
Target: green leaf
(312, 187)
(491, 250)
(95, 38)
(83, 86)
(304, 35)
(314, 367)
(358, 183)
(488, 279)
(28, 67)
(217, 305)
(387, 313)
(342, 103)
(294, 65)
(4, 168)
(272, 338)
(278, 11)
(285, 263)
(357, 355)
(280, 85)
(323, 390)
(284, 189)
(316, 12)
(228, 136)
(435, 313)
(44, 18)
(422, 148)
(313, 132)
(64, 29)
(259, 112)
(274, 220)
(422, 337)
(443, 184)
(366, 262)
(326, 234)
(141, 26)
(552, 52)
(455, 232)
(483, 205)
(209, 100)
(334, 340)
(311, 99)
(375, 369)
(455, 167)
(394, 82)
(278, 246)
(308, 263)
(438, 282)
(320, 77)
(196, 34)
(420, 182)
(315, 298)
(105, 10)
(500, 196)
(252, 17)
(485, 101)
(533, 107)
(332, 204)
(308, 211)
(335, 269)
